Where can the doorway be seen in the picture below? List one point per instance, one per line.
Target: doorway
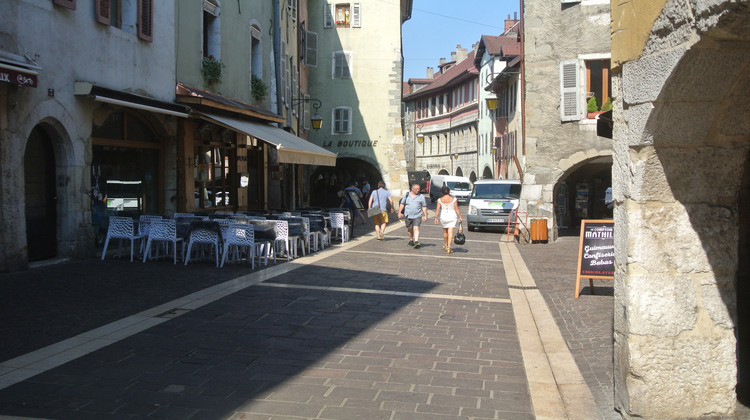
(41, 196)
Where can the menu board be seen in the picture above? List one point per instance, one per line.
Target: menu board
(596, 252)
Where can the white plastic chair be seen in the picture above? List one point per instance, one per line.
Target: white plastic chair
(282, 238)
(338, 225)
(239, 236)
(121, 228)
(163, 230)
(203, 236)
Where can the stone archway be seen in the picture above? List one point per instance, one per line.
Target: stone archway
(326, 181)
(579, 194)
(487, 173)
(40, 173)
(678, 217)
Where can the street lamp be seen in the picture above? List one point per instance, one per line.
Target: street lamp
(316, 120)
(455, 156)
(420, 136)
(491, 102)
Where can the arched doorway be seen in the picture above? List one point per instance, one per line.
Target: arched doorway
(459, 172)
(580, 194)
(472, 176)
(326, 181)
(487, 173)
(41, 195)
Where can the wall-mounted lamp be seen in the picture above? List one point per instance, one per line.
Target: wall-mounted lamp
(455, 156)
(494, 149)
(420, 136)
(316, 120)
(491, 102)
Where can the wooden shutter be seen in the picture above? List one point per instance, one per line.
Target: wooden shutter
(283, 63)
(311, 49)
(146, 20)
(569, 103)
(103, 12)
(68, 4)
(327, 15)
(305, 111)
(356, 15)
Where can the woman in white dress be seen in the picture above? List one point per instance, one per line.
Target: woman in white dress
(447, 214)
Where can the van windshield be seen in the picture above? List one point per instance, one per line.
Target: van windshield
(490, 191)
(459, 186)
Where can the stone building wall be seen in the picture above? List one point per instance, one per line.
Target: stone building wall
(681, 142)
(555, 33)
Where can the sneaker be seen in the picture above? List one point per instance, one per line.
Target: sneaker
(411, 243)
(417, 244)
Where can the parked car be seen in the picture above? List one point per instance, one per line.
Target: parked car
(491, 202)
(460, 187)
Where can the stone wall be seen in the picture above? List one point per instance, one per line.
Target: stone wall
(680, 149)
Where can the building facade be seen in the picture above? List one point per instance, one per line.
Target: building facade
(445, 115)
(680, 181)
(186, 107)
(357, 77)
(566, 59)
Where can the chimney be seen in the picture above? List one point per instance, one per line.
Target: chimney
(442, 61)
(510, 22)
(453, 56)
(430, 73)
(461, 53)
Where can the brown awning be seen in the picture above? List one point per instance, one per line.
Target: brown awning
(291, 149)
(131, 100)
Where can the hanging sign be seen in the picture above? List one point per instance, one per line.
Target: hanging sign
(596, 252)
(18, 78)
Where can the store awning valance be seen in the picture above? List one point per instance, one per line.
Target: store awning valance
(130, 100)
(18, 70)
(291, 149)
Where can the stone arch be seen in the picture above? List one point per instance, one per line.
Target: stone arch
(487, 172)
(459, 171)
(472, 176)
(592, 168)
(326, 181)
(678, 217)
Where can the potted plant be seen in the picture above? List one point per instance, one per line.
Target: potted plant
(591, 107)
(211, 70)
(607, 105)
(259, 89)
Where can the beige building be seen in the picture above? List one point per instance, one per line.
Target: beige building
(357, 78)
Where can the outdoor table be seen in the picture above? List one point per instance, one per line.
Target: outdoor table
(264, 231)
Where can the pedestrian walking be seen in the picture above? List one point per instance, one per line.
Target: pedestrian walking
(447, 214)
(413, 209)
(381, 197)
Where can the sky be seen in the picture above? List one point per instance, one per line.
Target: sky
(437, 26)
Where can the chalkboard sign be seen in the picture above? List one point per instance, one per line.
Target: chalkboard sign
(596, 252)
(354, 197)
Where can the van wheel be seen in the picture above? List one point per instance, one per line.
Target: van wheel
(472, 228)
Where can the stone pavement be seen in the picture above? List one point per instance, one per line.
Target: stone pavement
(365, 329)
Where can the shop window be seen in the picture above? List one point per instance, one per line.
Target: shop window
(127, 157)
(214, 168)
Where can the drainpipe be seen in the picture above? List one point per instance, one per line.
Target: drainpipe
(521, 31)
(277, 54)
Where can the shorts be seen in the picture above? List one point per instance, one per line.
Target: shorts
(410, 223)
(380, 218)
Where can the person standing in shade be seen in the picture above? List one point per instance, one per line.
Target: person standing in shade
(381, 197)
(413, 209)
(349, 204)
(447, 213)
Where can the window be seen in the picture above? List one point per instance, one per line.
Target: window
(292, 5)
(342, 122)
(256, 52)
(211, 40)
(132, 16)
(311, 49)
(284, 73)
(342, 15)
(341, 65)
(598, 82)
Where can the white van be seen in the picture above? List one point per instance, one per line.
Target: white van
(491, 202)
(460, 187)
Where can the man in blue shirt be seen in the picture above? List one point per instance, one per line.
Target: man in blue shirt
(413, 208)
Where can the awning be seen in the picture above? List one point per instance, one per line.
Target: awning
(130, 100)
(18, 70)
(291, 149)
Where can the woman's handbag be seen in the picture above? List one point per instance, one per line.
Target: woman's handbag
(460, 238)
(374, 210)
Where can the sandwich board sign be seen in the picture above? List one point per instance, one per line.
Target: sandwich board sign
(596, 252)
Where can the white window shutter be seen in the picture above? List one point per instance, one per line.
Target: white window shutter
(311, 49)
(356, 15)
(328, 15)
(282, 58)
(569, 102)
